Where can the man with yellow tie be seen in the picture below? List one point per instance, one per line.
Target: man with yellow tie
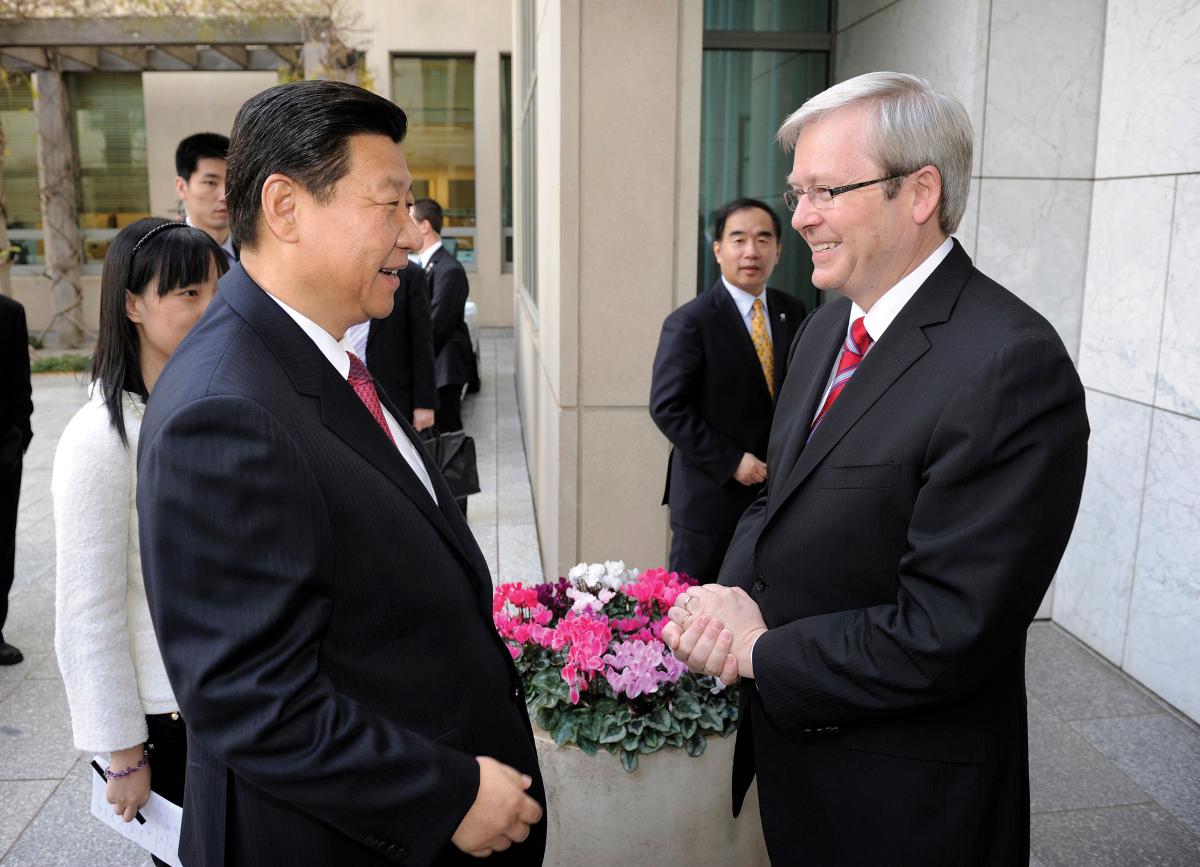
(721, 359)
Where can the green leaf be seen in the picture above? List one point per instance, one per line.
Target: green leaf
(710, 719)
(587, 745)
(612, 733)
(566, 731)
(636, 726)
(695, 745)
(630, 743)
(651, 741)
(660, 720)
(629, 760)
(685, 706)
(548, 680)
(688, 727)
(675, 739)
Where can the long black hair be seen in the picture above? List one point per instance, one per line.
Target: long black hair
(142, 253)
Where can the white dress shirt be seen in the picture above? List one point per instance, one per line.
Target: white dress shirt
(889, 305)
(425, 255)
(335, 352)
(745, 305)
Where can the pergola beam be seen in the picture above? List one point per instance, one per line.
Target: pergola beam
(104, 32)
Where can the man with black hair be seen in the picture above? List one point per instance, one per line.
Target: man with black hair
(455, 359)
(323, 610)
(200, 185)
(16, 407)
(721, 359)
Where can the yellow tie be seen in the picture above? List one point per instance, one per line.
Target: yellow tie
(762, 344)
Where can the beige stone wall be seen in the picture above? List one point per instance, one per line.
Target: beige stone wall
(618, 156)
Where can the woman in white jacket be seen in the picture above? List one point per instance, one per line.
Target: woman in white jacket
(158, 277)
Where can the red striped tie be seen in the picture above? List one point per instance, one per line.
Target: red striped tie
(364, 386)
(856, 346)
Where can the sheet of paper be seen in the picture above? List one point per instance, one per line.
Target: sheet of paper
(159, 835)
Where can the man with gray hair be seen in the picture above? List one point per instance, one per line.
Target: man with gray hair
(927, 457)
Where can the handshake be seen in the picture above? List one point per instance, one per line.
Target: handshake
(713, 629)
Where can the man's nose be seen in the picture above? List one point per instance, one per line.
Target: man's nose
(805, 215)
(410, 236)
(221, 198)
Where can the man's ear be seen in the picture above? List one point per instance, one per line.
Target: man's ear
(132, 309)
(717, 250)
(927, 194)
(279, 203)
(180, 188)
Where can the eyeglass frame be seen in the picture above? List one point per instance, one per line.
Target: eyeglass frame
(791, 197)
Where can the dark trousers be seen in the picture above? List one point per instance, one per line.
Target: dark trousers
(449, 418)
(10, 493)
(449, 409)
(697, 553)
(167, 744)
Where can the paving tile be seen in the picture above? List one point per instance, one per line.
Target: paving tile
(20, 801)
(35, 732)
(520, 553)
(1144, 835)
(1068, 773)
(1074, 682)
(30, 624)
(1034, 862)
(1160, 753)
(486, 537)
(64, 834)
(515, 508)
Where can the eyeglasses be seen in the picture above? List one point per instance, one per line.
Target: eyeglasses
(822, 197)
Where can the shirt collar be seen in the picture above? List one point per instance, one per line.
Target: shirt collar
(743, 299)
(227, 246)
(892, 301)
(333, 349)
(426, 255)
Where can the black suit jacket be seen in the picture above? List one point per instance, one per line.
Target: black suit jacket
(16, 392)
(709, 398)
(455, 358)
(325, 624)
(898, 559)
(400, 346)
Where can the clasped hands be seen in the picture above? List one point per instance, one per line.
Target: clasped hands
(713, 629)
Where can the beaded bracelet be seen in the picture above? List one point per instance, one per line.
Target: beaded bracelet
(117, 775)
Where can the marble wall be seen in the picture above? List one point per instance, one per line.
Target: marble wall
(1086, 203)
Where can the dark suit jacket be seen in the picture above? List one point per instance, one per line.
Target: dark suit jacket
(709, 398)
(898, 559)
(16, 401)
(400, 346)
(325, 625)
(455, 358)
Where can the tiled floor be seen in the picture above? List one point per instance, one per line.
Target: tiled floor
(1115, 773)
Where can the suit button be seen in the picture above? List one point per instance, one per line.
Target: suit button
(516, 693)
(760, 583)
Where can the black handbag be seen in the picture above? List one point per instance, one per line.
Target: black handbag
(454, 454)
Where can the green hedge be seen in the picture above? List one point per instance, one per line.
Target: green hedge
(61, 364)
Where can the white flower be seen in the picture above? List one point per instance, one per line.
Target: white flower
(614, 573)
(584, 601)
(577, 572)
(595, 574)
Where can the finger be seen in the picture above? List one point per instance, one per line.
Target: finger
(715, 663)
(729, 673)
(530, 811)
(704, 646)
(499, 844)
(670, 635)
(129, 813)
(691, 635)
(677, 614)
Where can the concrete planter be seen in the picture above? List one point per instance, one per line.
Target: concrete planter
(674, 809)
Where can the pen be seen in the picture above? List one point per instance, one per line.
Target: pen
(99, 770)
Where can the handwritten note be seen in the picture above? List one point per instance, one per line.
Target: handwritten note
(160, 834)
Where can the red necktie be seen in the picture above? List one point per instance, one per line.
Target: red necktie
(856, 346)
(364, 386)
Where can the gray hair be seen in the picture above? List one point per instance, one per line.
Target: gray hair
(909, 125)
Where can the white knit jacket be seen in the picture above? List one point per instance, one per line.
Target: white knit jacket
(103, 636)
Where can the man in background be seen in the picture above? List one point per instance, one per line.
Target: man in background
(454, 358)
(16, 408)
(720, 362)
(200, 185)
(398, 350)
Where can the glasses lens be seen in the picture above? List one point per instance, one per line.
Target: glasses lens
(821, 197)
(790, 199)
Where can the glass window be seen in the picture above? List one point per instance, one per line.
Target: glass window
(21, 207)
(108, 133)
(528, 124)
(767, 15)
(747, 92)
(506, 168)
(438, 95)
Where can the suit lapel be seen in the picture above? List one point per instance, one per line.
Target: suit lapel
(899, 348)
(781, 334)
(734, 325)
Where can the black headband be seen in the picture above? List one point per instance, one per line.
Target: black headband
(160, 227)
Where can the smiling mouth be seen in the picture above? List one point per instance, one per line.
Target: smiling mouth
(392, 272)
(821, 248)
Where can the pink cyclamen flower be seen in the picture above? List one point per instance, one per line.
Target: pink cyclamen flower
(640, 667)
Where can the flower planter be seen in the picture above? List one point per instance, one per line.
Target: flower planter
(673, 810)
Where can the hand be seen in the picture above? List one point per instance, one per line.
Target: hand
(128, 794)
(502, 812)
(703, 646)
(751, 471)
(733, 608)
(422, 418)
